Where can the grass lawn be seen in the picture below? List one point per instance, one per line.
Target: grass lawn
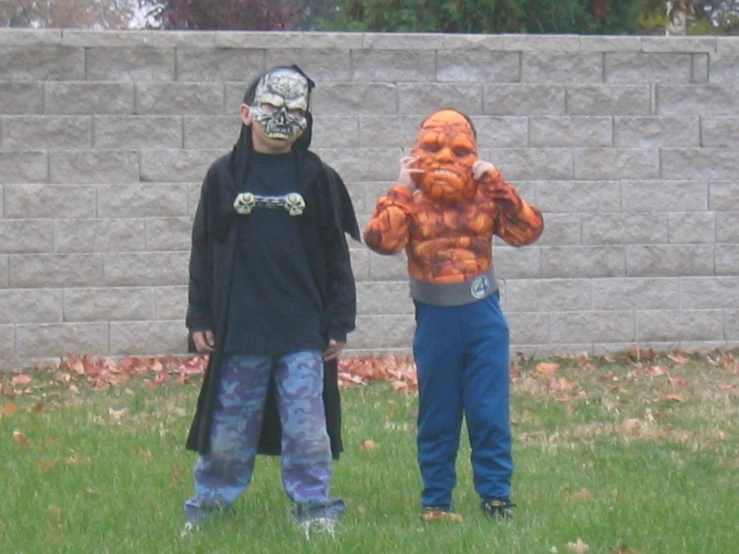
(635, 454)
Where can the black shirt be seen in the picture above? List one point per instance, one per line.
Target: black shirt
(275, 304)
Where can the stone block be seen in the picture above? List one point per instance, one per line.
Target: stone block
(46, 132)
(723, 196)
(147, 338)
(661, 196)
(600, 43)
(617, 163)
(213, 132)
(559, 44)
(284, 39)
(16, 36)
(364, 336)
(501, 132)
(724, 67)
(679, 44)
(363, 164)
(383, 298)
(424, 99)
(177, 165)
(731, 325)
(669, 260)
(321, 65)
(337, 132)
(648, 67)
(130, 64)
(210, 65)
(691, 227)
(30, 306)
(727, 44)
(143, 200)
(109, 304)
(21, 98)
(171, 303)
(523, 99)
(528, 328)
(137, 132)
(172, 233)
(375, 65)
(99, 235)
(608, 100)
(58, 339)
(700, 293)
(152, 38)
(700, 68)
(23, 167)
(544, 295)
(727, 259)
(378, 132)
(179, 98)
(566, 131)
(625, 228)
(656, 132)
(7, 346)
(56, 270)
(360, 263)
(636, 293)
(682, 325)
(727, 228)
(42, 63)
(703, 100)
(530, 164)
(99, 166)
(146, 268)
(590, 326)
(26, 235)
(4, 271)
(699, 163)
(475, 66)
(517, 263)
(193, 197)
(389, 268)
(583, 261)
(578, 197)
(719, 132)
(354, 99)
(394, 331)
(88, 98)
(561, 230)
(561, 67)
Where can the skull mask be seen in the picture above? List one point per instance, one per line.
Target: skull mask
(446, 150)
(280, 104)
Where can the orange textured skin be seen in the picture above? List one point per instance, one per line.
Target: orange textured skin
(447, 226)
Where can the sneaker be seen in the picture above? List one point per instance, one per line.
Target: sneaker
(325, 525)
(432, 513)
(497, 509)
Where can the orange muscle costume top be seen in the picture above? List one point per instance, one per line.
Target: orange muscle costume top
(446, 224)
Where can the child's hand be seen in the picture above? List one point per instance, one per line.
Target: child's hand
(405, 177)
(494, 187)
(204, 341)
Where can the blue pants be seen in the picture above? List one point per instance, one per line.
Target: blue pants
(225, 472)
(463, 370)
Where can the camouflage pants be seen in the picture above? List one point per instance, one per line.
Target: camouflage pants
(225, 472)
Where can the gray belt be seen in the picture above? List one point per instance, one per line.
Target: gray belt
(454, 294)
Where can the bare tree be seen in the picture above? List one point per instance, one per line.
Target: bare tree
(87, 14)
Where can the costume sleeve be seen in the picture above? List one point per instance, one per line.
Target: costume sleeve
(517, 222)
(198, 297)
(388, 231)
(341, 297)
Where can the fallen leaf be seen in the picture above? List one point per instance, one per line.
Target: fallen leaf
(92, 492)
(656, 371)
(673, 397)
(546, 369)
(622, 549)
(368, 444)
(116, 415)
(47, 465)
(725, 387)
(582, 494)
(21, 379)
(9, 409)
(55, 511)
(38, 407)
(678, 381)
(73, 389)
(637, 354)
(679, 358)
(579, 547)
(21, 438)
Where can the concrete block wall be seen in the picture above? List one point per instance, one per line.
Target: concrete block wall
(629, 145)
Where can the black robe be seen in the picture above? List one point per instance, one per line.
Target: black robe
(328, 215)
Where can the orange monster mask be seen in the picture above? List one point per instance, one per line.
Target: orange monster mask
(446, 150)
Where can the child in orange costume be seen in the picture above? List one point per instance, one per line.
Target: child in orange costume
(444, 212)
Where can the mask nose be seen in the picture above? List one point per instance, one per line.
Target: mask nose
(444, 155)
(281, 116)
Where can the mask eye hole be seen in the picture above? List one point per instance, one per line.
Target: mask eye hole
(431, 147)
(297, 113)
(267, 108)
(462, 152)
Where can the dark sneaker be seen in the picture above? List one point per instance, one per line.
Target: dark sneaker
(432, 513)
(497, 509)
